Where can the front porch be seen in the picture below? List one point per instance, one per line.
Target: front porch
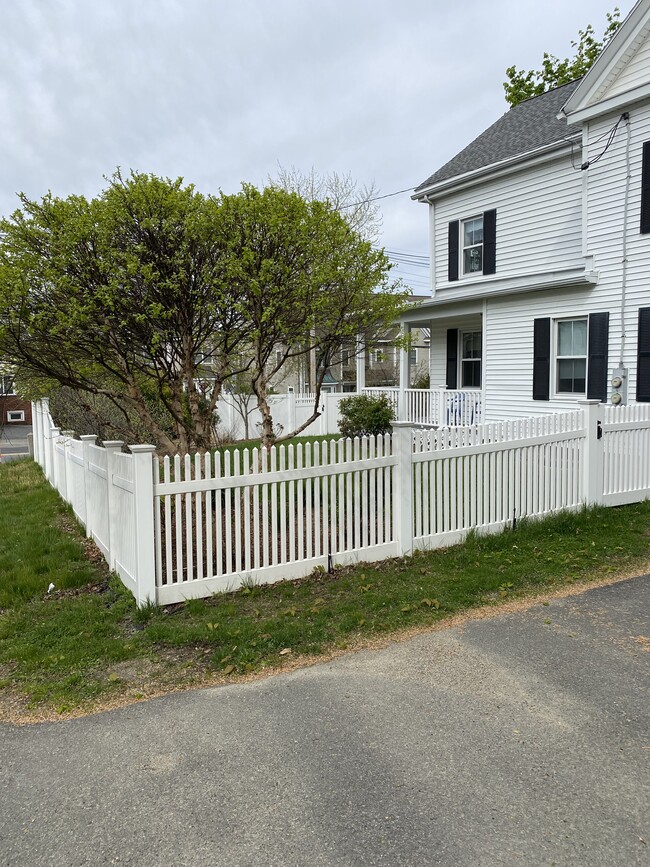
(435, 407)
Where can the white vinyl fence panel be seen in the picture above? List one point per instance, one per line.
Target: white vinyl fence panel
(626, 454)
(265, 515)
(487, 476)
(97, 498)
(187, 527)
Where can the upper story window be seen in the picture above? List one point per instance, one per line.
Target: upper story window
(472, 252)
(571, 356)
(472, 246)
(6, 384)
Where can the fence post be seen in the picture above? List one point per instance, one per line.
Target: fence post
(111, 446)
(593, 471)
(291, 410)
(442, 419)
(403, 492)
(88, 440)
(145, 549)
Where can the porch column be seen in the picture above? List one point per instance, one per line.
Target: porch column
(404, 381)
(361, 364)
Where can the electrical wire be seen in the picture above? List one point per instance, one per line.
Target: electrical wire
(375, 199)
(610, 138)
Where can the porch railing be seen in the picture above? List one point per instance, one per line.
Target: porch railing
(439, 407)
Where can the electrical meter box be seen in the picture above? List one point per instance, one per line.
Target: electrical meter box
(618, 386)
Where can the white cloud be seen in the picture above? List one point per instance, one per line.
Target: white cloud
(220, 91)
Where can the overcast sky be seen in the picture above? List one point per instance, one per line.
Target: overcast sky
(221, 92)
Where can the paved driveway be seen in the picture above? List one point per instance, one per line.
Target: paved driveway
(518, 740)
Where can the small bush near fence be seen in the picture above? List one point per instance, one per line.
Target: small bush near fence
(363, 415)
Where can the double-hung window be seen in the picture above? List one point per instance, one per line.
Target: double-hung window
(571, 356)
(472, 240)
(470, 359)
(472, 246)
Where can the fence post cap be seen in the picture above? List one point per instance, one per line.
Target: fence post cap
(142, 449)
(88, 438)
(113, 445)
(589, 402)
(402, 424)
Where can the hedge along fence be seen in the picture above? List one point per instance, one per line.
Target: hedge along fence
(189, 527)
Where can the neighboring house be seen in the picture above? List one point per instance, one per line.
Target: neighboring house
(381, 364)
(13, 409)
(540, 244)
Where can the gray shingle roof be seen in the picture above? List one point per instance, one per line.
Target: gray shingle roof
(527, 126)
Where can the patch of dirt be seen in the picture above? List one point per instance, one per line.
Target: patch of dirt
(178, 669)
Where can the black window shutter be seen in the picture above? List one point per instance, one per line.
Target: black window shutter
(452, 358)
(541, 359)
(597, 356)
(645, 189)
(454, 233)
(643, 356)
(490, 242)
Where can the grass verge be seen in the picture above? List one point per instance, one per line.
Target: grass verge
(86, 646)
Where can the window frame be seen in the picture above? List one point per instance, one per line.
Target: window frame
(462, 247)
(556, 357)
(19, 412)
(10, 377)
(462, 358)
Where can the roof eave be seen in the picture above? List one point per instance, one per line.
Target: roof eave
(468, 178)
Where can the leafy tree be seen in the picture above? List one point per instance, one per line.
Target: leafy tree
(307, 283)
(119, 297)
(129, 296)
(523, 84)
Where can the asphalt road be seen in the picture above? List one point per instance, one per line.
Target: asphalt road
(13, 441)
(518, 740)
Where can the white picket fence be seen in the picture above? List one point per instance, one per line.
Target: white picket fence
(188, 527)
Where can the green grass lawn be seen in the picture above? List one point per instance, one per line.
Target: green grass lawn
(85, 645)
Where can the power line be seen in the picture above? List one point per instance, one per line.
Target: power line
(375, 199)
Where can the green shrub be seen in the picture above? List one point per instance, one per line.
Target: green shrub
(362, 415)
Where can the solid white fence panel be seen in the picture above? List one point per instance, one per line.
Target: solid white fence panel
(97, 499)
(58, 446)
(122, 517)
(76, 478)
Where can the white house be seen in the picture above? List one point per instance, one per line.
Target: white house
(540, 244)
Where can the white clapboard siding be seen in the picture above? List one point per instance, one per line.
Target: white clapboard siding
(531, 236)
(634, 74)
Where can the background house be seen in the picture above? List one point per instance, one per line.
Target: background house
(540, 244)
(13, 409)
